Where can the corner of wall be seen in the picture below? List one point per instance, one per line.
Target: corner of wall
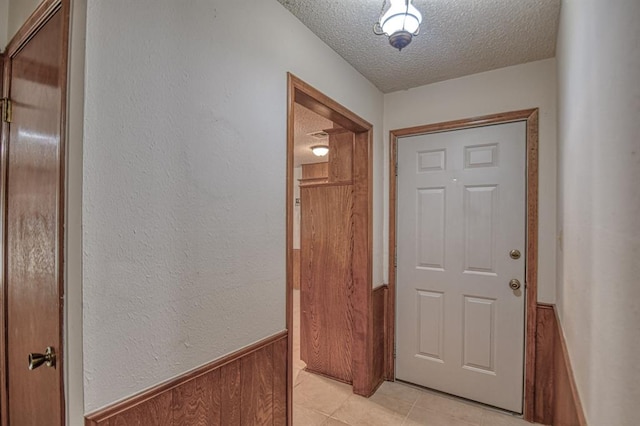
(74, 388)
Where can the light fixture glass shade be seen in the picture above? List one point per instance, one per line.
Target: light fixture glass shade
(320, 150)
(401, 17)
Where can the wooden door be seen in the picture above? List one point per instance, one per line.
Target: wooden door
(326, 282)
(461, 210)
(32, 220)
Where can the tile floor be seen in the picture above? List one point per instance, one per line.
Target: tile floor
(321, 401)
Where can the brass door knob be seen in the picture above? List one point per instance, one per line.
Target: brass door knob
(48, 358)
(514, 254)
(514, 284)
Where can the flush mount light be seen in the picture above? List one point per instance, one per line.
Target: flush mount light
(320, 150)
(400, 23)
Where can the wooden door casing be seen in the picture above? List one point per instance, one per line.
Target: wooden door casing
(33, 191)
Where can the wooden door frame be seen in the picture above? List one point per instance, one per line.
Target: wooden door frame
(45, 10)
(530, 117)
(362, 352)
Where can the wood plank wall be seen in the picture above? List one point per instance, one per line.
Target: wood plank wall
(556, 398)
(380, 295)
(245, 388)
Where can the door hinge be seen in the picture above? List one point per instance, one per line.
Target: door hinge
(6, 109)
(396, 169)
(395, 259)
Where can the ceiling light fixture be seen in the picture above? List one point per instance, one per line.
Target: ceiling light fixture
(400, 23)
(320, 150)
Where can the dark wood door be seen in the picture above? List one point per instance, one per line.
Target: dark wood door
(32, 250)
(326, 282)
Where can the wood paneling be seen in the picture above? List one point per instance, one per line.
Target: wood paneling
(296, 268)
(315, 171)
(556, 397)
(531, 117)
(247, 387)
(362, 364)
(326, 284)
(341, 156)
(379, 334)
(545, 339)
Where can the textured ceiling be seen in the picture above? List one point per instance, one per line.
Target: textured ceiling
(457, 37)
(305, 122)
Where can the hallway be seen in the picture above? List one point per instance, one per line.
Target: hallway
(321, 401)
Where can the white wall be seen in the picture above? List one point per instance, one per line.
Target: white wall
(18, 12)
(4, 24)
(507, 89)
(599, 204)
(73, 363)
(184, 180)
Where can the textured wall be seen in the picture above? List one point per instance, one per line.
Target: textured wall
(599, 204)
(519, 87)
(184, 180)
(4, 24)
(18, 12)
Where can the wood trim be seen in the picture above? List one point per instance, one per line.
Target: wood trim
(556, 400)
(40, 16)
(362, 347)
(531, 268)
(244, 383)
(531, 118)
(380, 306)
(362, 350)
(4, 135)
(325, 183)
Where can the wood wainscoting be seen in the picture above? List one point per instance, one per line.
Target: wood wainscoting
(556, 397)
(380, 301)
(246, 387)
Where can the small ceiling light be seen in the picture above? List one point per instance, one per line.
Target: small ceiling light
(320, 150)
(400, 23)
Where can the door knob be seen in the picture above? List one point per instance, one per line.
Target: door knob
(48, 358)
(514, 254)
(514, 284)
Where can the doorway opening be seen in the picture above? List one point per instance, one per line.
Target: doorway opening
(530, 119)
(344, 182)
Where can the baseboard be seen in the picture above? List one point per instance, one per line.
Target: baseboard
(246, 387)
(556, 397)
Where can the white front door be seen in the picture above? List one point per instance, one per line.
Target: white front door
(461, 210)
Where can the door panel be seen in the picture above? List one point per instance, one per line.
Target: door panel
(326, 282)
(32, 275)
(461, 209)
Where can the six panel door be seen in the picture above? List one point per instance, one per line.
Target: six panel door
(461, 210)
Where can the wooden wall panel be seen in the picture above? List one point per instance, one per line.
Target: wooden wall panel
(315, 171)
(326, 283)
(545, 339)
(244, 388)
(341, 156)
(379, 335)
(154, 411)
(296, 269)
(230, 392)
(556, 398)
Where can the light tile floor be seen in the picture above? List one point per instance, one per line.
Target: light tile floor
(321, 401)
